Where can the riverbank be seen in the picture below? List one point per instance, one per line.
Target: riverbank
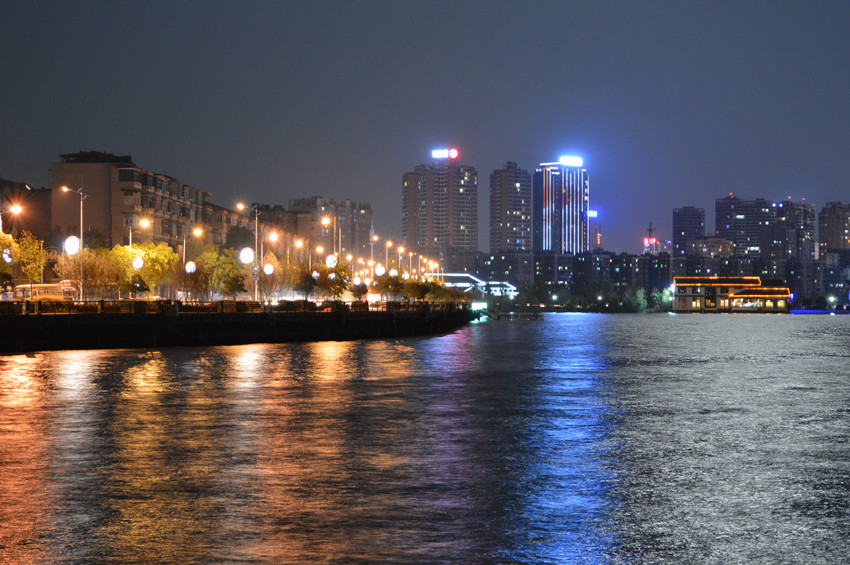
(35, 326)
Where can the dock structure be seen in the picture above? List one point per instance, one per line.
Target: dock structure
(527, 316)
(27, 326)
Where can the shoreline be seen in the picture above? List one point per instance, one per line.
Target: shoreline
(140, 324)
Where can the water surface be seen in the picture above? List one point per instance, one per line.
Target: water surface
(578, 439)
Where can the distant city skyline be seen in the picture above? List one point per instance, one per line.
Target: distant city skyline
(669, 105)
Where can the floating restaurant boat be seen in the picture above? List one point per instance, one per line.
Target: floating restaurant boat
(716, 295)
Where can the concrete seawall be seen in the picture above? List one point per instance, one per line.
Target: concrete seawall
(40, 327)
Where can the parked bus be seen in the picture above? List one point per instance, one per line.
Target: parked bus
(63, 290)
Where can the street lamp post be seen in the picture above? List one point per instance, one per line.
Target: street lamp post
(255, 270)
(15, 209)
(387, 254)
(79, 192)
(197, 232)
(144, 223)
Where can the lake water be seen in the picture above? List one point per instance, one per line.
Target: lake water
(578, 439)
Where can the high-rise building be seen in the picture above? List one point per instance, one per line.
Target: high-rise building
(594, 230)
(560, 200)
(341, 226)
(741, 222)
(834, 228)
(510, 210)
(688, 226)
(799, 217)
(440, 206)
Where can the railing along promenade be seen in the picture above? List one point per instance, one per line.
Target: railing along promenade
(34, 325)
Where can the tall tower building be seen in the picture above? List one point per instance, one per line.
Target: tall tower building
(560, 199)
(799, 217)
(834, 228)
(510, 210)
(594, 230)
(440, 205)
(741, 222)
(688, 225)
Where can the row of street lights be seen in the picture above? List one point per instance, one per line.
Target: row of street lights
(73, 247)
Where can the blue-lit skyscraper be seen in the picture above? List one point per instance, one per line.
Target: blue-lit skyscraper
(561, 198)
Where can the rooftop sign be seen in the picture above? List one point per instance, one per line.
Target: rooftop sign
(445, 153)
(569, 161)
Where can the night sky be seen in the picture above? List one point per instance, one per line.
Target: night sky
(670, 103)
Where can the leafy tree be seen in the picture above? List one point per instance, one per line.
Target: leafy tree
(203, 280)
(104, 272)
(358, 291)
(305, 282)
(416, 290)
(634, 300)
(136, 286)
(230, 274)
(272, 284)
(158, 261)
(31, 256)
(7, 242)
(333, 281)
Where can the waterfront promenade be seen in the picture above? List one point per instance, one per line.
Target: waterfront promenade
(34, 325)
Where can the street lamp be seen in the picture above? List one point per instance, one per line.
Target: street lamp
(241, 206)
(326, 221)
(387, 253)
(144, 223)
(79, 192)
(400, 254)
(15, 209)
(299, 243)
(197, 232)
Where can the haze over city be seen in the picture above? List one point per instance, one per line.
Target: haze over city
(668, 104)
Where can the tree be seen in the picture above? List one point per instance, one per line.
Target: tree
(416, 290)
(230, 274)
(634, 300)
(333, 281)
(202, 281)
(305, 282)
(358, 291)
(31, 256)
(158, 261)
(8, 249)
(271, 285)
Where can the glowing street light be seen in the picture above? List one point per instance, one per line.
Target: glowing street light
(241, 206)
(246, 255)
(197, 232)
(79, 192)
(14, 209)
(72, 245)
(144, 223)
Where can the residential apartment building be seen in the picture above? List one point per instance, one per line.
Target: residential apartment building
(510, 210)
(440, 206)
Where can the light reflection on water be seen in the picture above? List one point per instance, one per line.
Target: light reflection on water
(580, 439)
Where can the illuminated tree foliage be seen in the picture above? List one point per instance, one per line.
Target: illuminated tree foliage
(31, 257)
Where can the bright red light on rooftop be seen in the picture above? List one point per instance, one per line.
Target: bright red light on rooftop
(453, 153)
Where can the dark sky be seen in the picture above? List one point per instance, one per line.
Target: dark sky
(669, 103)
